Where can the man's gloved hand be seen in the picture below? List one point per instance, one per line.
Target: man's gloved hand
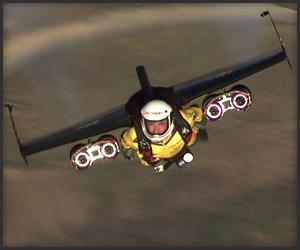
(202, 124)
(202, 132)
(129, 154)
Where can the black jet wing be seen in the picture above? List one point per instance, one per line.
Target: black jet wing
(98, 124)
(184, 93)
(192, 89)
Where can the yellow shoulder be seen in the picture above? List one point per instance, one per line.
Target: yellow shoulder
(129, 139)
(192, 114)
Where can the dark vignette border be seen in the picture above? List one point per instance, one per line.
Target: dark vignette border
(283, 2)
(1, 128)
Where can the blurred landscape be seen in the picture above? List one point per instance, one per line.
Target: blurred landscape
(66, 62)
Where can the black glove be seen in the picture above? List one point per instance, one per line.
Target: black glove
(129, 154)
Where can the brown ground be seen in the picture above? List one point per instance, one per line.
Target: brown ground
(66, 62)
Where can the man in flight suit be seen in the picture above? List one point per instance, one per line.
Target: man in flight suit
(164, 135)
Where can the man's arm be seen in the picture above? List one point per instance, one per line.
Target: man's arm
(129, 146)
(192, 115)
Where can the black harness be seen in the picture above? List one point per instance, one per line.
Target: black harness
(134, 105)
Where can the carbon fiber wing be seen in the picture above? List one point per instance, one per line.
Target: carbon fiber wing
(184, 93)
(192, 89)
(98, 124)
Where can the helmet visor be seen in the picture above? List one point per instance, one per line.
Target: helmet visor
(157, 127)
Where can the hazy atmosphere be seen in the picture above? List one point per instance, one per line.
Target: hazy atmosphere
(66, 62)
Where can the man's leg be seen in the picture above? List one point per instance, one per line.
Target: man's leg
(161, 166)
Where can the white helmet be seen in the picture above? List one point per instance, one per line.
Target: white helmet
(158, 114)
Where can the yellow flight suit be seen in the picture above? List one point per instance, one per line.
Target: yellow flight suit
(171, 145)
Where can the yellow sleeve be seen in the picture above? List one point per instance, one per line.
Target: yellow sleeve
(129, 141)
(192, 114)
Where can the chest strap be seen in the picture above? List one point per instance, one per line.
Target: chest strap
(144, 144)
